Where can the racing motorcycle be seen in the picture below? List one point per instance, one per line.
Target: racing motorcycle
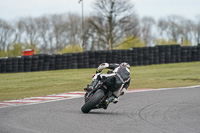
(103, 87)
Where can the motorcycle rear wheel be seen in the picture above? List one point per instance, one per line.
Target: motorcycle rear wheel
(93, 101)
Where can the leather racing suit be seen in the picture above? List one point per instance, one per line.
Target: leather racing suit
(121, 74)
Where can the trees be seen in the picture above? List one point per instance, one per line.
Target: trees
(6, 35)
(50, 33)
(44, 32)
(113, 21)
(31, 32)
(170, 27)
(147, 24)
(65, 30)
(177, 29)
(196, 29)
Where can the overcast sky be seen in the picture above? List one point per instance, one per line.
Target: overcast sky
(13, 9)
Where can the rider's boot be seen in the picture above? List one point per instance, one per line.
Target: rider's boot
(112, 99)
(109, 100)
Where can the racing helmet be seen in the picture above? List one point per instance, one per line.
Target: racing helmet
(126, 65)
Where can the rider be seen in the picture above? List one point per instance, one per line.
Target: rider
(121, 72)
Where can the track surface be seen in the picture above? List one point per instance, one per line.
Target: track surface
(163, 111)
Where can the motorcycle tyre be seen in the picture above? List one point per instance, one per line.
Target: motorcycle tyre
(93, 101)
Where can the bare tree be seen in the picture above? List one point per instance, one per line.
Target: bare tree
(96, 33)
(43, 29)
(196, 29)
(176, 28)
(66, 29)
(114, 19)
(58, 27)
(31, 32)
(171, 27)
(6, 35)
(187, 30)
(19, 31)
(74, 27)
(146, 29)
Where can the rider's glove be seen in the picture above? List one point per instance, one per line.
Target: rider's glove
(102, 66)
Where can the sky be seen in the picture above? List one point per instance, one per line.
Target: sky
(15, 9)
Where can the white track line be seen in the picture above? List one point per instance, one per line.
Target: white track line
(70, 95)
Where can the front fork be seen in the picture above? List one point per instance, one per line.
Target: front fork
(95, 80)
(94, 83)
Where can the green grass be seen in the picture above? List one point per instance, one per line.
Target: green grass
(21, 85)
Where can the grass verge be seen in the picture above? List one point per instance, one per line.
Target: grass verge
(21, 85)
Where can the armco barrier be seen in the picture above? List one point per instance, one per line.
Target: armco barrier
(91, 59)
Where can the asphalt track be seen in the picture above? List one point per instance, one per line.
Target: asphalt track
(162, 111)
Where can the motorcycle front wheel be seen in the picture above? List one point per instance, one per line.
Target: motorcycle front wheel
(93, 101)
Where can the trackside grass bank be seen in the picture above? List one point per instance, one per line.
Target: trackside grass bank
(21, 85)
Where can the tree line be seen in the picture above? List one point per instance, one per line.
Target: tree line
(113, 24)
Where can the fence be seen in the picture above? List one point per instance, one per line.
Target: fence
(92, 59)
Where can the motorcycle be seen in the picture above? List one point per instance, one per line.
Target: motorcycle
(103, 87)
